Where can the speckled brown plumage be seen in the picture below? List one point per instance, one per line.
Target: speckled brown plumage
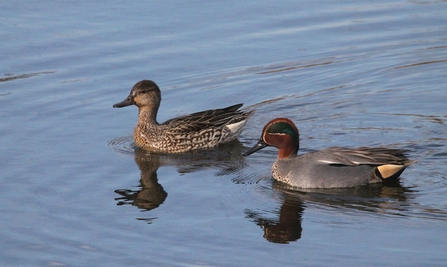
(190, 132)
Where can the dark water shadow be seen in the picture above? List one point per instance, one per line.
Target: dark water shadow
(150, 194)
(375, 198)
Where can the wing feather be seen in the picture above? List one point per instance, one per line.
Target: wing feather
(213, 118)
(363, 156)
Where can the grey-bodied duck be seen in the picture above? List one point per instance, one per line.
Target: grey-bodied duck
(332, 167)
(199, 130)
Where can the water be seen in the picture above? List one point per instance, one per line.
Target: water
(347, 73)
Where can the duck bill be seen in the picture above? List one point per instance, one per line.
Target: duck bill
(127, 102)
(259, 145)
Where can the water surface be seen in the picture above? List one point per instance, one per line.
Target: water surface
(77, 193)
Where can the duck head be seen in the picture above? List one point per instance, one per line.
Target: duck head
(280, 133)
(144, 93)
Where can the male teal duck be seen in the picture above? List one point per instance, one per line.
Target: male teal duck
(199, 130)
(333, 167)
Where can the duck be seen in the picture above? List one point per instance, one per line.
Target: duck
(333, 167)
(200, 130)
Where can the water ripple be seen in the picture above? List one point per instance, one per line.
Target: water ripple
(11, 76)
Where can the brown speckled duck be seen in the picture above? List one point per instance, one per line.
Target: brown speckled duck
(199, 130)
(333, 167)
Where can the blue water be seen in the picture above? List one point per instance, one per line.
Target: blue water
(354, 73)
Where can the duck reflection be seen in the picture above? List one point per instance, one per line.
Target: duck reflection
(287, 228)
(150, 194)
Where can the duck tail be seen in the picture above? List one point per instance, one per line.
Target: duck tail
(391, 171)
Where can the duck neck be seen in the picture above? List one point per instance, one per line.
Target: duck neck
(148, 115)
(287, 152)
(288, 149)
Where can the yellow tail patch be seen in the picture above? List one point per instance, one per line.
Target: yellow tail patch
(389, 170)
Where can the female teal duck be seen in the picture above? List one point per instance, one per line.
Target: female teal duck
(195, 131)
(329, 168)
